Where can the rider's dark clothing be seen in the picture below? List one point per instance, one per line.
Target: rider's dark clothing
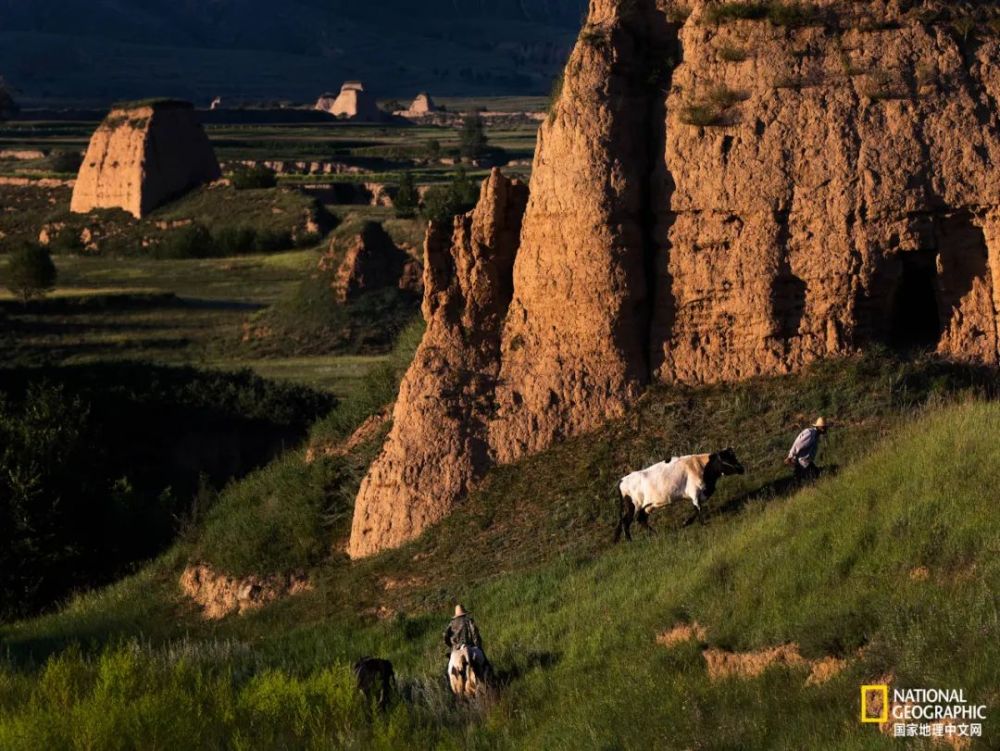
(462, 630)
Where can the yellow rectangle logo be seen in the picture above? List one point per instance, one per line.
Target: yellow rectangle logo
(875, 703)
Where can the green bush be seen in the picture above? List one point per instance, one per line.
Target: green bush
(129, 696)
(556, 92)
(794, 14)
(378, 388)
(30, 272)
(723, 97)
(789, 14)
(273, 240)
(736, 11)
(728, 53)
(192, 241)
(65, 162)
(253, 178)
(66, 241)
(281, 518)
(711, 108)
(442, 202)
(231, 241)
(407, 198)
(472, 138)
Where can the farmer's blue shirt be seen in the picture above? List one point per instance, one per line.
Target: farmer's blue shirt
(805, 447)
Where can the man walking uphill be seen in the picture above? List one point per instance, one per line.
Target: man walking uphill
(802, 455)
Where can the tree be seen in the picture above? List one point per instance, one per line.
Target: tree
(407, 197)
(256, 177)
(472, 139)
(442, 202)
(30, 272)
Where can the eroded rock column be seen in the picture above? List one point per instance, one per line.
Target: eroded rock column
(438, 447)
(574, 342)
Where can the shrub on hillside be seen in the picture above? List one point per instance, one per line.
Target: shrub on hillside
(472, 138)
(442, 202)
(192, 241)
(280, 518)
(407, 198)
(30, 272)
(252, 178)
(789, 14)
(65, 162)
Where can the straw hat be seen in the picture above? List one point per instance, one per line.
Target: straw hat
(820, 423)
(459, 611)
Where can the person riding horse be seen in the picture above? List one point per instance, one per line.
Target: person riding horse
(463, 632)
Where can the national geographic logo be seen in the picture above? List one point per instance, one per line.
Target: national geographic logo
(921, 712)
(875, 703)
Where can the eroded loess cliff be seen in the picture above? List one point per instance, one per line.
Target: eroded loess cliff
(142, 156)
(845, 196)
(713, 198)
(438, 445)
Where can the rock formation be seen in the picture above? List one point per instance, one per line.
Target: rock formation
(421, 105)
(840, 201)
(352, 103)
(438, 445)
(220, 595)
(574, 344)
(372, 262)
(711, 199)
(142, 156)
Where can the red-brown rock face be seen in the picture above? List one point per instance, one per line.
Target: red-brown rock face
(372, 262)
(575, 339)
(143, 156)
(849, 196)
(712, 201)
(438, 447)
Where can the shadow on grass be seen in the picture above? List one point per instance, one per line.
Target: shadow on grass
(779, 488)
(523, 665)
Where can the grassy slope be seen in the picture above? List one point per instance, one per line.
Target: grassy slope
(571, 623)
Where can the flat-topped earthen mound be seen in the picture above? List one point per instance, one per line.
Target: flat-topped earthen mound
(352, 103)
(143, 155)
(422, 105)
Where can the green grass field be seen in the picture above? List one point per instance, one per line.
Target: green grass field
(570, 621)
(189, 312)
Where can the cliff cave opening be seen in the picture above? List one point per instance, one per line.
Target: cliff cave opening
(914, 321)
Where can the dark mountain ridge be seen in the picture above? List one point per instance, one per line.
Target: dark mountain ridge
(78, 51)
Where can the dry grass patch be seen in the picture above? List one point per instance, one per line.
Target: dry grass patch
(723, 664)
(680, 633)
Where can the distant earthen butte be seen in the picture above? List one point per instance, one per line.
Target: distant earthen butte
(712, 220)
(142, 156)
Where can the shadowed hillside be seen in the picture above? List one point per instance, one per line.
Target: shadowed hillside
(884, 568)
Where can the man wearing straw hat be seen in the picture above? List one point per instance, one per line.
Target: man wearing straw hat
(463, 633)
(462, 630)
(802, 456)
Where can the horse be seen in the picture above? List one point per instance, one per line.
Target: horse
(468, 671)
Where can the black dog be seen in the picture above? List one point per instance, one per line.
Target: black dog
(375, 679)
